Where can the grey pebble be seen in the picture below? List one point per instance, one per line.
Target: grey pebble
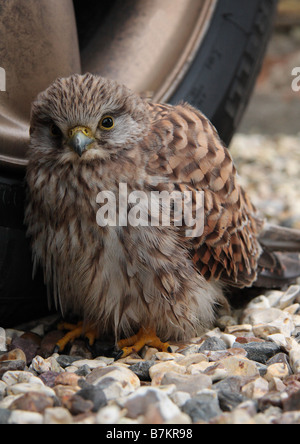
(84, 370)
(94, 394)
(212, 344)
(141, 369)
(66, 360)
(202, 407)
(4, 416)
(232, 384)
(11, 365)
(229, 400)
(259, 351)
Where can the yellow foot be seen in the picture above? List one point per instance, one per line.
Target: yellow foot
(75, 332)
(146, 336)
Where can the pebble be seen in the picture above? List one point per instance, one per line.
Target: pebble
(180, 398)
(17, 377)
(70, 379)
(256, 389)
(242, 371)
(26, 387)
(2, 389)
(66, 360)
(13, 355)
(24, 417)
(239, 330)
(41, 365)
(57, 415)
(90, 363)
(203, 407)
(294, 354)
(141, 369)
(48, 378)
(212, 344)
(158, 371)
(28, 345)
(94, 394)
(109, 415)
(288, 298)
(190, 384)
(236, 366)
(229, 401)
(3, 347)
(279, 340)
(145, 398)
(115, 381)
(274, 320)
(4, 416)
(279, 370)
(260, 351)
(77, 405)
(33, 402)
(11, 365)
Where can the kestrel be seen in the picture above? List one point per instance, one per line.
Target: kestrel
(88, 136)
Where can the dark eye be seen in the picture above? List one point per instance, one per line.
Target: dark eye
(107, 123)
(55, 131)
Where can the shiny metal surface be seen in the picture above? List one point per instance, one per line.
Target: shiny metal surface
(38, 43)
(146, 44)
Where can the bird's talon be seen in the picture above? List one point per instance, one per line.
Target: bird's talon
(75, 331)
(119, 355)
(142, 338)
(56, 349)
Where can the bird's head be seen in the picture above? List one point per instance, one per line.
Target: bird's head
(87, 117)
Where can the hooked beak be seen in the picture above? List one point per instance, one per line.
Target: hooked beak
(80, 138)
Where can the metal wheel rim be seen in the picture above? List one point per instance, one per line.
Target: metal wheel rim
(151, 68)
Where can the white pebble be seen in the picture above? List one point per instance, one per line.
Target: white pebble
(289, 296)
(180, 398)
(108, 415)
(294, 354)
(259, 302)
(2, 389)
(26, 387)
(278, 339)
(24, 417)
(228, 339)
(91, 363)
(41, 365)
(16, 377)
(3, 347)
(57, 415)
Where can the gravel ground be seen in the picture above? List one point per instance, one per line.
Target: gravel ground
(245, 371)
(269, 169)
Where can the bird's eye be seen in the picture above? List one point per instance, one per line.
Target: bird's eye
(107, 123)
(55, 131)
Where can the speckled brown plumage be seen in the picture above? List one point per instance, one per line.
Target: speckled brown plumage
(121, 278)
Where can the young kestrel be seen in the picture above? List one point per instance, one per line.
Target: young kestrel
(89, 135)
